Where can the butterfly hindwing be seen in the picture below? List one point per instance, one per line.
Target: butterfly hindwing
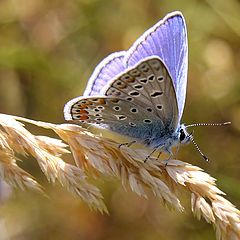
(116, 114)
(148, 84)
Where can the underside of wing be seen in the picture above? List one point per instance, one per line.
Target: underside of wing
(118, 115)
(149, 85)
(167, 39)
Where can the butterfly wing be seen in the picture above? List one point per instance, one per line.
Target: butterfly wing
(118, 115)
(149, 85)
(126, 108)
(144, 87)
(108, 68)
(168, 40)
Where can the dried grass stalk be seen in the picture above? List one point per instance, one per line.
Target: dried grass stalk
(94, 154)
(10, 172)
(47, 151)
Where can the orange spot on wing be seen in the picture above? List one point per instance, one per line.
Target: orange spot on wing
(102, 101)
(123, 86)
(84, 117)
(114, 100)
(83, 106)
(130, 80)
(82, 111)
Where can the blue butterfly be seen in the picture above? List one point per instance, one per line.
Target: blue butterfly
(140, 93)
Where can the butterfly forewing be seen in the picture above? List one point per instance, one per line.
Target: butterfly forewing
(149, 85)
(108, 68)
(167, 39)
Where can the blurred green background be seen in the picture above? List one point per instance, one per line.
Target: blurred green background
(48, 50)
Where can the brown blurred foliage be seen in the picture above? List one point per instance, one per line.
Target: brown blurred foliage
(48, 50)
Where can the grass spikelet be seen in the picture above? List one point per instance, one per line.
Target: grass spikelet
(9, 170)
(47, 151)
(95, 155)
(206, 199)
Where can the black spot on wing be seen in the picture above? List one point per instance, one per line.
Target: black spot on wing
(156, 94)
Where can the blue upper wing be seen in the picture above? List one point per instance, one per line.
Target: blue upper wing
(168, 40)
(107, 69)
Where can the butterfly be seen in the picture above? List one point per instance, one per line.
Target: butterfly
(140, 93)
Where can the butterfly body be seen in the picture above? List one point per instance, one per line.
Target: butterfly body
(140, 93)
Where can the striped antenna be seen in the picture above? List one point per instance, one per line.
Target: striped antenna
(207, 124)
(204, 124)
(199, 150)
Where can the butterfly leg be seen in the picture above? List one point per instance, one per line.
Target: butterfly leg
(129, 144)
(176, 152)
(159, 154)
(169, 151)
(154, 150)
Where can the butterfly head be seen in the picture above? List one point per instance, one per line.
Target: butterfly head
(183, 136)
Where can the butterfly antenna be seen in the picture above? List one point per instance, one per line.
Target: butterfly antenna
(197, 147)
(208, 124)
(203, 124)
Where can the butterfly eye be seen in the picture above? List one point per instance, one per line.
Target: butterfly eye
(182, 135)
